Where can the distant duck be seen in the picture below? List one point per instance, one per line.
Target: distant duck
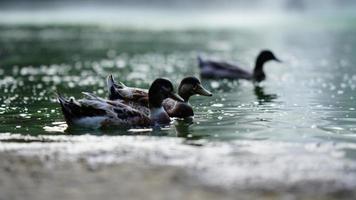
(95, 112)
(138, 98)
(219, 70)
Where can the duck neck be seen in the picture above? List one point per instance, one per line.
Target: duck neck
(184, 95)
(159, 116)
(155, 99)
(157, 113)
(259, 65)
(258, 73)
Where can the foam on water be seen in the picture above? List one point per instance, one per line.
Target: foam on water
(243, 163)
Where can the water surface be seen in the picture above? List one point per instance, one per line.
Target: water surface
(300, 121)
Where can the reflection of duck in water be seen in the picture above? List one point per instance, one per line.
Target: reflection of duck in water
(262, 96)
(221, 70)
(183, 129)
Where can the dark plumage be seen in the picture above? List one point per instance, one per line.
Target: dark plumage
(219, 70)
(188, 87)
(95, 112)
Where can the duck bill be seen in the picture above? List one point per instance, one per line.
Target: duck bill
(277, 60)
(175, 97)
(202, 91)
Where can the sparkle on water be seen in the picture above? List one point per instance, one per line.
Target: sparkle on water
(300, 122)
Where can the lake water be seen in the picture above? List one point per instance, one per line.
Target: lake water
(295, 128)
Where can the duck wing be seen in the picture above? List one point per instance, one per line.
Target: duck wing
(73, 110)
(215, 69)
(98, 113)
(119, 114)
(143, 108)
(137, 95)
(127, 94)
(133, 104)
(135, 98)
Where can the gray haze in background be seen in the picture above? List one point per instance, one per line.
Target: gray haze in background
(198, 5)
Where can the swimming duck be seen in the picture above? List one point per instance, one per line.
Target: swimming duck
(216, 70)
(138, 98)
(95, 112)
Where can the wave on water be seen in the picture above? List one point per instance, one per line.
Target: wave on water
(242, 164)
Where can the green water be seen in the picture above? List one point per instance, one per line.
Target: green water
(303, 115)
(310, 95)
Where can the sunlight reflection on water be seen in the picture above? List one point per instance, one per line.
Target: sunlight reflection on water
(236, 163)
(297, 126)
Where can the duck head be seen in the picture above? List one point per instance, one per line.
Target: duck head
(262, 58)
(190, 86)
(159, 90)
(267, 55)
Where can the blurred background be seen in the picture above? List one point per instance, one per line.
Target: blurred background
(183, 11)
(186, 4)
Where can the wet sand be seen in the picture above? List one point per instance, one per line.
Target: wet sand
(31, 177)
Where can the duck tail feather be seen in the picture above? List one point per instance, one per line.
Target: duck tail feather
(121, 85)
(60, 98)
(114, 94)
(113, 87)
(110, 82)
(200, 60)
(69, 108)
(92, 96)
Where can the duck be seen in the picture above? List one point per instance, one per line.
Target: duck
(138, 98)
(95, 112)
(210, 69)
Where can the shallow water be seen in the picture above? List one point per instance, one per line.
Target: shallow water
(300, 121)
